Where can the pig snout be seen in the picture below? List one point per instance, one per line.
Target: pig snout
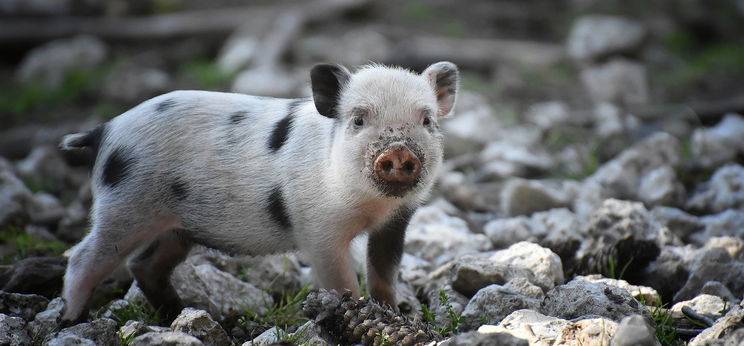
(398, 166)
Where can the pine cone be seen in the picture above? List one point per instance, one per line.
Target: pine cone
(348, 321)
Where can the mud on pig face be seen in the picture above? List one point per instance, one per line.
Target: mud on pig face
(387, 141)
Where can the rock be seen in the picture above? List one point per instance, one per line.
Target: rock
(617, 219)
(114, 307)
(268, 337)
(525, 287)
(723, 191)
(621, 177)
(166, 339)
(505, 232)
(659, 186)
(610, 120)
(208, 288)
(14, 196)
(713, 264)
(484, 339)
(634, 331)
(668, 273)
(74, 223)
(200, 324)
(644, 294)
(723, 326)
(733, 245)
(593, 37)
(556, 225)
(18, 141)
(133, 329)
(522, 156)
(525, 197)
(308, 334)
(44, 166)
(131, 83)
(733, 338)
(437, 237)
(547, 115)
(719, 144)
(265, 82)
(274, 273)
(471, 273)
(102, 331)
(135, 295)
(25, 306)
(45, 209)
(717, 289)
(729, 223)
(618, 81)
(353, 48)
(580, 298)
(35, 275)
(543, 263)
(52, 61)
(593, 331)
(47, 321)
(491, 304)
(677, 221)
(475, 123)
(532, 326)
(13, 331)
(237, 53)
(413, 268)
(69, 340)
(704, 304)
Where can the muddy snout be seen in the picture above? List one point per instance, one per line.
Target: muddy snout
(398, 166)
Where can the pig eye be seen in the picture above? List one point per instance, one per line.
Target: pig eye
(358, 121)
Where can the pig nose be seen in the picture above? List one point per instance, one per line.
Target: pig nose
(398, 165)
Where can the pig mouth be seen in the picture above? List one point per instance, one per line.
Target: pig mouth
(394, 189)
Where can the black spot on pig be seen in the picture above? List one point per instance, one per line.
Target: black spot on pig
(277, 208)
(279, 134)
(179, 189)
(237, 117)
(165, 105)
(117, 166)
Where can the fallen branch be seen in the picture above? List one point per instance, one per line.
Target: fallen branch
(289, 25)
(163, 26)
(700, 112)
(476, 53)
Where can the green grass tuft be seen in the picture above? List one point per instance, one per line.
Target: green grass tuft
(665, 331)
(284, 313)
(28, 96)
(137, 312)
(206, 73)
(26, 245)
(453, 318)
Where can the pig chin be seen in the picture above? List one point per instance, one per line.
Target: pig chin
(394, 189)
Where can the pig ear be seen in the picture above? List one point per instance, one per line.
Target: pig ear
(327, 82)
(443, 76)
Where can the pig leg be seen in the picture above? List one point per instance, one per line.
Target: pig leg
(332, 264)
(152, 269)
(110, 241)
(384, 251)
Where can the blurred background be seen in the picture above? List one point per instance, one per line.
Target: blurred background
(563, 105)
